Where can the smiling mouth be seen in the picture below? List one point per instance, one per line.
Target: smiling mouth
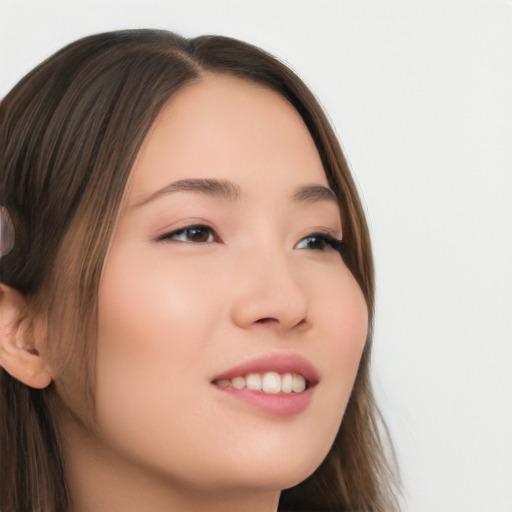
(277, 383)
(267, 382)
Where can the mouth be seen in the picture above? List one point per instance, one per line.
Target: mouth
(277, 383)
(268, 382)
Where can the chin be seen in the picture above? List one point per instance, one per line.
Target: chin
(276, 471)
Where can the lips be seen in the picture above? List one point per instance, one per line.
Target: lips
(274, 401)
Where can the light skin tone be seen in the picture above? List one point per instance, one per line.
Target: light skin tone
(259, 274)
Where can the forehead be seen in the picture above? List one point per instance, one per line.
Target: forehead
(228, 128)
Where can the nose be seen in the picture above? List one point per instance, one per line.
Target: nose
(267, 292)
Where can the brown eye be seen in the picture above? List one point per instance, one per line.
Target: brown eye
(191, 234)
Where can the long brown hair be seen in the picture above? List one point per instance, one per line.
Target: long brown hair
(69, 134)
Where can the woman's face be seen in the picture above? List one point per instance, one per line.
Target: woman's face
(224, 265)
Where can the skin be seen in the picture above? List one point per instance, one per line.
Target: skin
(176, 312)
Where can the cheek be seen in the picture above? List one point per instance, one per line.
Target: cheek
(347, 315)
(151, 345)
(345, 320)
(341, 312)
(149, 306)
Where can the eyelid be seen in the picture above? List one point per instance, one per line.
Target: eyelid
(327, 237)
(168, 236)
(325, 232)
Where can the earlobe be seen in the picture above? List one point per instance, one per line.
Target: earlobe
(19, 352)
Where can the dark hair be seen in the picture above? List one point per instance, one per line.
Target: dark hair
(69, 134)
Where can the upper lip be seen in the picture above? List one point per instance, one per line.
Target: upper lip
(274, 362)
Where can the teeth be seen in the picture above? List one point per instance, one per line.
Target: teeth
(253, 381)
(270, 382)
(286, 383)
(298, 384)
(238, 382)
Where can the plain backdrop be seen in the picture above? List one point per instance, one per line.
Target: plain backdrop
(420, 94)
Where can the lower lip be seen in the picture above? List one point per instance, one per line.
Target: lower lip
(279, 404)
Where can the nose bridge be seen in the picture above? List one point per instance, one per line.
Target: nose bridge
(267, 289)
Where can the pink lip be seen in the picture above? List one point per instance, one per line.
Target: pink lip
(280, 404)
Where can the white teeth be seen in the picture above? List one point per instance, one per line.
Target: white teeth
(298, 383)
(253, 381)
(286, 383)
(270, 382)
(238, 382)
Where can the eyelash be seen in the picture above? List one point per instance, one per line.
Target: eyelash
(172, 236)
(326, 241)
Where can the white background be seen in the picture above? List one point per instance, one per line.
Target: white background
(421, 96)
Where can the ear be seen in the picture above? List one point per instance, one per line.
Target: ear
(20, 340)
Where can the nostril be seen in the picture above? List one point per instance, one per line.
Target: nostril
(270, 320)
(267, 320)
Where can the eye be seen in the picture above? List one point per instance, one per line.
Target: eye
(199, 234)
(319, 242)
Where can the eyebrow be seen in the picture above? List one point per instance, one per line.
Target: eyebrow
(225, 189)
(314, 194)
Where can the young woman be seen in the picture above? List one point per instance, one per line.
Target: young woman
(186, 288)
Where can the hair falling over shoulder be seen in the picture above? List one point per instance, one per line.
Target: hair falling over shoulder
(69, 134)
